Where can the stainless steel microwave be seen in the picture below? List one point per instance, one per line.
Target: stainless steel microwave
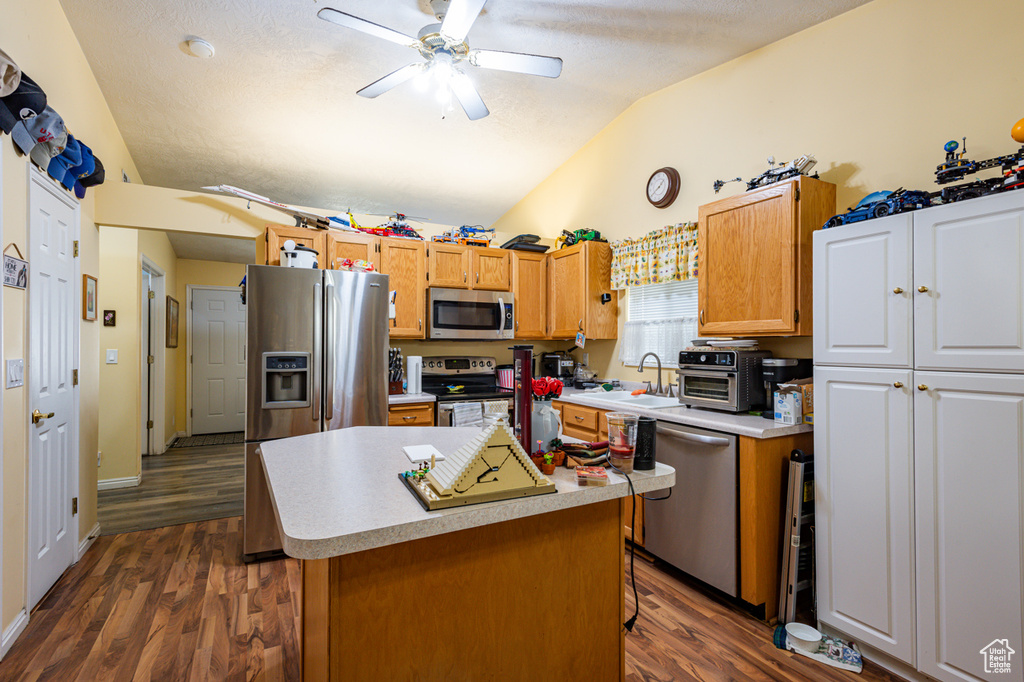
(462, 314)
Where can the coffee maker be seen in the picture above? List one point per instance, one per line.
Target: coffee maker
(777, 371)
(557, 364)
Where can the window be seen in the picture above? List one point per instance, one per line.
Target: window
(661, 318)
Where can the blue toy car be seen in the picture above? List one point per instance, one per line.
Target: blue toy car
(879, 204)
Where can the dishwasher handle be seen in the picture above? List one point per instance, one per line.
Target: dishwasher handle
(693, 437)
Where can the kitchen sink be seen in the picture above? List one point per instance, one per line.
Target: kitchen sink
(653, 402)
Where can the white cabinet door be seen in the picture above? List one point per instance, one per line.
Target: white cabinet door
(969, 459)
(864, 505)
(862, 293)
(969, 259)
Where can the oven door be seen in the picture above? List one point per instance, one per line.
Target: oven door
(446, 409)
(458, 314)
(707, 388)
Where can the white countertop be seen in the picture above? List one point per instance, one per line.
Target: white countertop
(338, 492)
(407, 398)
(740, 424)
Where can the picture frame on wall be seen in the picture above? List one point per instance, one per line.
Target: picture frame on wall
(109, 318)
(172, 323)
(89, 286)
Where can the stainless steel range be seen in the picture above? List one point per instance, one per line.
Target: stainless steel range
(463, 381)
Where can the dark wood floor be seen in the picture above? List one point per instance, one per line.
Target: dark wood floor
(178, 604)
(181, 486)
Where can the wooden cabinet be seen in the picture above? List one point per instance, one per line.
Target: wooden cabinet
(404, 261)
(863, 293)
(351, 245)
(530, 290)
(755, 259)
(577, 279)
(450, 265)
(411, 414)
(277, 235)
(468, 267)
(865, 490)
(491, 269)
(969, 459)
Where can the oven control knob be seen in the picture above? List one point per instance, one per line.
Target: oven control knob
(474, 363)
(489, 363)
(430, 364)
(703, 358)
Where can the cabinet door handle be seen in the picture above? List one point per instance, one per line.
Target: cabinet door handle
(478, 278)
(580, 324)
(517, 325)
(922, 387)
(922, 289)
(897, 384)
(578, 418)
(421, 324)
(464, 277)
(700, 316)
(897, 290)
(408, 417)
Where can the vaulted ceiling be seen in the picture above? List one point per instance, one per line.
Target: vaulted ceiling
(275, 110)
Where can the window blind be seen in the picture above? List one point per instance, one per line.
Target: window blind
(661, 318)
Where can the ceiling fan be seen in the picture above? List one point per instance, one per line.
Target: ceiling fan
(444, 50)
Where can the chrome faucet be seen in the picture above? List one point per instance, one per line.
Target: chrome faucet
(640, 369)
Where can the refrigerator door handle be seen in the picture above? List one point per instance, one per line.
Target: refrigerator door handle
(329, 352)
(317, 337)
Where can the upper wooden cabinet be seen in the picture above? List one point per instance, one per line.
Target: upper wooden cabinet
(530, 290)
(355, 246)
(277, 235)
(755, 259)
(468, 267)
(404, 261)
(577, 278)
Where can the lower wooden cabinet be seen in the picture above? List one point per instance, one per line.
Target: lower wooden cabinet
(411, 414)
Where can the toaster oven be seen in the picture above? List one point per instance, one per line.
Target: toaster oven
(727, 380)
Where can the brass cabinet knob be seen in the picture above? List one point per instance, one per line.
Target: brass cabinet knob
(38, 416)
(922, 387)
(897, 384)
(898, 290)
(922, 289)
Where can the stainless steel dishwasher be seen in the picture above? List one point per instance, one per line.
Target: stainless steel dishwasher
(697, 528)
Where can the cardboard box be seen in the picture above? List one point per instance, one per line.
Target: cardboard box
(794, 402)
(807, 394)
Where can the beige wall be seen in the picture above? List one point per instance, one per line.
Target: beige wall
(873, 94)
(195, 272)
(38, 37)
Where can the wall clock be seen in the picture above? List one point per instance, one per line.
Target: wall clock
(663, 187)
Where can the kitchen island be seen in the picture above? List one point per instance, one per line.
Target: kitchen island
(531, 588)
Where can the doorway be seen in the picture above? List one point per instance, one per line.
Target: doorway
(152, 308)
(54, 308)
(216, 339)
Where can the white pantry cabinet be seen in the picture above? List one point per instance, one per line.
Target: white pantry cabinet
(968, 457)
(862, 293)
(865, 505)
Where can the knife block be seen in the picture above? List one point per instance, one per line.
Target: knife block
(394, 388)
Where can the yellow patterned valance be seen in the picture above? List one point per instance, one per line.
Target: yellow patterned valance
(665, 255)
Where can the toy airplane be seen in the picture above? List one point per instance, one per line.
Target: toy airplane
(302, 218)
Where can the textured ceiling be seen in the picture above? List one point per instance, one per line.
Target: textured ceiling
(207, 247)
(275, 111)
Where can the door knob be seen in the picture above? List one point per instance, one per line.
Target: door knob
(922, 387)
(38, 416)
(897, 384)
(898, 290)
(922, 289)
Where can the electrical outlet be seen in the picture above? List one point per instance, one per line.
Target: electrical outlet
(15, 373)
(99, 458)
(111, 356)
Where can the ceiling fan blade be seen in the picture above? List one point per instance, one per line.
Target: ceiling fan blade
(460, 17)
(533, 64)
(379, 87)
(468, 97)
(349, 21)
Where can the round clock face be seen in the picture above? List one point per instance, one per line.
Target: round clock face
(663, 187)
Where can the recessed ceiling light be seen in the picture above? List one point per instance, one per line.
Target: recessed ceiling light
(200, 48)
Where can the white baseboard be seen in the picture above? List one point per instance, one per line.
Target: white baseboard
(174, 436)
(13, 631)
(114, 483)
(86, 543)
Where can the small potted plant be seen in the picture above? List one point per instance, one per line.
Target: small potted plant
(555, 449)
(538, 456)
(548, 466)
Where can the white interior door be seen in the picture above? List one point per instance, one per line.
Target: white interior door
(218, 360)
(53, 329)
(146, 329)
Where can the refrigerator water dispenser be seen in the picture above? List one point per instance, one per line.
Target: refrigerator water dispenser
(286, 380)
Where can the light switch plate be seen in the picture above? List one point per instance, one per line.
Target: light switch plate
(15, 373)
(111, 356)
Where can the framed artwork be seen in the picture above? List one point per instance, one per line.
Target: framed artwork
(109, 318)
(172, 323)
(15, 272)
(88, 298)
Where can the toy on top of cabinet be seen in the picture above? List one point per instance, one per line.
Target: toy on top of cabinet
(784, 171)
(882, 203)
(396, 226)
(957, 166)
(466, 235)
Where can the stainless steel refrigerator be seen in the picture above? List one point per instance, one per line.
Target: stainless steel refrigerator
(317, 343)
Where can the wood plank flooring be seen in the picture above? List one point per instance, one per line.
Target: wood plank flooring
(181, 486)
(178, 604)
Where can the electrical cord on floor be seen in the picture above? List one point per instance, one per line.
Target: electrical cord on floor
(632, 552)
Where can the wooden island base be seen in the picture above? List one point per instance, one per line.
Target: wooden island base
(536, 598)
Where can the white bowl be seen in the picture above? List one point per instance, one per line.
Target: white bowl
(803, 636)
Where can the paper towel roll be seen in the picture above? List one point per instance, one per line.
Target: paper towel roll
(414, 374)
